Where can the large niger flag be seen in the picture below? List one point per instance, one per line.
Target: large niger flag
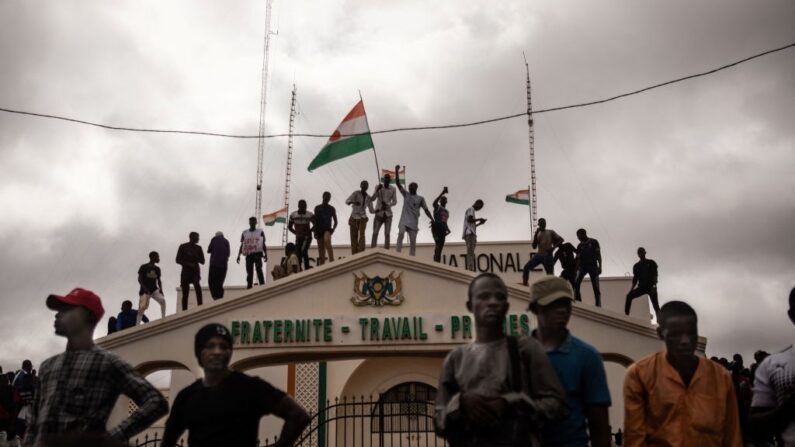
(351, 137)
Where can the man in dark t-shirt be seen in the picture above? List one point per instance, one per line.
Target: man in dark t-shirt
(644, 282)
(565, 254)
(589, 260)
(225, 407)
(325, 224)
(151, 286)
(189, 256)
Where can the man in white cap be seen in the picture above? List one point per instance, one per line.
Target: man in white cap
(579, 367)
(79, 387)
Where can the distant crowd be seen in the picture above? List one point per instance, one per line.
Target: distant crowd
(320, 225)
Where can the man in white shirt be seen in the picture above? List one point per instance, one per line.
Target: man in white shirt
(300, 224)
(471, 224)
(773, 404)
(385, 198)
(410, 217)
(358, 201)
(252, 246)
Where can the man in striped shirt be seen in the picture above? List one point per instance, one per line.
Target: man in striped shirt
(80, 386)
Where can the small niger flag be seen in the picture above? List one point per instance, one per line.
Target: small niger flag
(351, 137)
(521, 197)
(391, 173)
(275, 217)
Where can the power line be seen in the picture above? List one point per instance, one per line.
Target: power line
(400, 129)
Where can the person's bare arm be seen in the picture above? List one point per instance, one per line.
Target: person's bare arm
(291, 226)
(334, 219)
(427, 213)
(240, 251)
(598, 426)
(438, 198)
(295, 420)
(397, 180)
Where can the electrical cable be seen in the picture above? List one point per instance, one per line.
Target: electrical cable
(401, 129)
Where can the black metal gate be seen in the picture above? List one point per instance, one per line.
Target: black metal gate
(360, 422)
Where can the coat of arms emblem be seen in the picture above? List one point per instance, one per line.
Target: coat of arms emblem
(377, 291)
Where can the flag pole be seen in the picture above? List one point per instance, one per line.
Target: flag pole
(375, 154)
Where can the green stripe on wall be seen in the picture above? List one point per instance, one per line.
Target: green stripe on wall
(321, 404)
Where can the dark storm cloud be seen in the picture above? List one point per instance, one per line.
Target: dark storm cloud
(699, 172)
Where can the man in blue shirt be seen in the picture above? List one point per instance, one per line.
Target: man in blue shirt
(578, 366)
(127, 316)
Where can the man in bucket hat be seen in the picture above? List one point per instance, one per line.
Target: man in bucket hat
(80, 386)
(579, 367)
(225, 406)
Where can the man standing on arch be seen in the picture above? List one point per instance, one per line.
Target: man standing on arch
(358, 221)
(410, 217)
(589, 256)
(644, 276)
(189, 256)
(325, 224)
(252, 246)
(300, 224)
(471, 224)
(545, 241)
(385, 198)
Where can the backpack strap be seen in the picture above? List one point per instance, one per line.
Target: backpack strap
(516, 370)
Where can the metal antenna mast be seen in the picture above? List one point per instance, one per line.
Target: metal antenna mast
(262, 109)
(288, 173)
(531, 140)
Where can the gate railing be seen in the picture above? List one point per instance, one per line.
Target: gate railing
(358, 422)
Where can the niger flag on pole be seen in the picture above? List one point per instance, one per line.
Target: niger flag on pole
(522, 197)
(391, 173)
(351, 137)
(275, 217)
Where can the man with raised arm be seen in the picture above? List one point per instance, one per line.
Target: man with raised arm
(410, 217)
(439, 227)
(471, 224)
(545, 241)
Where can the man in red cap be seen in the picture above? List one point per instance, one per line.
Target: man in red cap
(79, 387)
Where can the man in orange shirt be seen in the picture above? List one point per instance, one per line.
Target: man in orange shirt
(676, 398)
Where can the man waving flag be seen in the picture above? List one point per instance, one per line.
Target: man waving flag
(351, 137)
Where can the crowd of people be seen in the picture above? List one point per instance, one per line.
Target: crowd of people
(549, 388)
(320, 224)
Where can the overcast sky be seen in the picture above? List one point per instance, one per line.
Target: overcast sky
(700, 173)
